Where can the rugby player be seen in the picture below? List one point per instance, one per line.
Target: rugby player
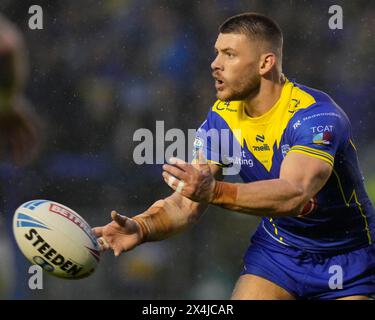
(303, 178)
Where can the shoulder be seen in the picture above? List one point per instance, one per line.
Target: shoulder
(318, 95)
(323, 108)
(323, 120)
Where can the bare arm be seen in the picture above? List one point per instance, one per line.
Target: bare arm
(172, 215)
(163, 219)
(301, 177)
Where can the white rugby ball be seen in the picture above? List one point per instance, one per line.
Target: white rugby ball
(56, 238)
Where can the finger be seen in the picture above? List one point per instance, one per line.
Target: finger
(104, 245)
(101, 245)
(175, 184)
(180, 186)
(170, 180)
(97, 231)
(117, 251)
(178, 173)
(179, 163)
(118, 218)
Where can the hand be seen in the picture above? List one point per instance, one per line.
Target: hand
(122, 234)
(194, 181)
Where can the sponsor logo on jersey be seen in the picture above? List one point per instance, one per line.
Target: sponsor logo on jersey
(285, 149)
(296, 124)
(198, 143)
(243, 160)
(264, 147)
(323, 114)
(292, 108)
(323, 138)
(226, 107)
(319, 129)
(260, 138)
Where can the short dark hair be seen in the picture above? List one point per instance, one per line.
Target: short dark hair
(256, 26)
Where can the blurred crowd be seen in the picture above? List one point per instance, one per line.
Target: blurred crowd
(99, 70)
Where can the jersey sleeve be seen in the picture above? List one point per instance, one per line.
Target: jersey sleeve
(319, 131)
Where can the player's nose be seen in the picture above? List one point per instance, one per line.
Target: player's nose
(216, 64)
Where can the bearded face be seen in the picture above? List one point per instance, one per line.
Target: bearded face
(235, 68)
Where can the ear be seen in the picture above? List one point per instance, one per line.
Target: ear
(267, 62)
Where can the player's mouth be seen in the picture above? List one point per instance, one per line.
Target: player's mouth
(219, 84)
(219, 81)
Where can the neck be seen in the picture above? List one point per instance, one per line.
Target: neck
(267, 95)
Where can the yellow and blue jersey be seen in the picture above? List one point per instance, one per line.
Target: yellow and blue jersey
(307, 121)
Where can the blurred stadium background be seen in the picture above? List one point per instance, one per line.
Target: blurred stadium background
(99, 70)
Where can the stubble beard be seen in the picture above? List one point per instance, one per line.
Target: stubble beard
(244, 91)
